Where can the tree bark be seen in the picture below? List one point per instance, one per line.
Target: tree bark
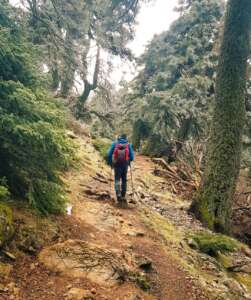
(69, 67)
(88, 87)
(213, 203)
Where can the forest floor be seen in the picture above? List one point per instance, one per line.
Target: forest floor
(102, 252)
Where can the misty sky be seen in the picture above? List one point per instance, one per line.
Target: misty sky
(152, 19)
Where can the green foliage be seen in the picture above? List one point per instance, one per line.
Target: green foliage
(102, 146)
(175, 88)
(141, 130)
(33, 143)
(210, 243)
(47, 197)
(6, 223)
(65, 31)
(4, 193)
(156, 146)
(16, 58)
(140, 280)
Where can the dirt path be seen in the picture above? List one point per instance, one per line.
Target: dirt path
(101, 252)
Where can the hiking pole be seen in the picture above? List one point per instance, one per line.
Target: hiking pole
(111, 183)
(132, 181)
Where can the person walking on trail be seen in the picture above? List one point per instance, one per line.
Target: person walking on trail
(120, 156)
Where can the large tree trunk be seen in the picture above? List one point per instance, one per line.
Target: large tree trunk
(214, 200)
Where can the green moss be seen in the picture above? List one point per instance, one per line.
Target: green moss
(213, 243)
(6, 223)
(224, 260)
(102, 146)
(163, 227)
(206, 217)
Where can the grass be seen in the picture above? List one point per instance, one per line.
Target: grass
(211, 244)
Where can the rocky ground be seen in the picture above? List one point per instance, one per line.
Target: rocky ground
(101, 252)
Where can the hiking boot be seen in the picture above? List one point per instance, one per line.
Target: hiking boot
(124, 202)
(120, 204)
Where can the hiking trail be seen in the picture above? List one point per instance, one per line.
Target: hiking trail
(101, 252)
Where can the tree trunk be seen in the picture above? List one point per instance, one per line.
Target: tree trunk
(54, 70)
(213, 202)
(69, 67)
(90, 86)
(182, 134)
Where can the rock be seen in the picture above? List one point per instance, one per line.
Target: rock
(5, 270)
(192, 244)
(234, 286)
(28, 240)
(79, 259)
(144, 263)
(71, 134)
(136, 234)
(6, 224)
(78, 294)
(245, 269)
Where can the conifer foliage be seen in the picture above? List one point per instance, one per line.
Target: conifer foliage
(33, 144)
(174, 89)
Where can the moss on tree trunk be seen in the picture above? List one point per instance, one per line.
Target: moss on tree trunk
(213, 202)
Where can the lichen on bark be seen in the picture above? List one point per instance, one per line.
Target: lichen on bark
(213, 202)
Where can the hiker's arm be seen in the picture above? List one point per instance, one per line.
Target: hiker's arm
(110, 153)
(131, 153)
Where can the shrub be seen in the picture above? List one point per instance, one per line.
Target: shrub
(102, 146)
(211, 244)
(34, 147)
(4, 193)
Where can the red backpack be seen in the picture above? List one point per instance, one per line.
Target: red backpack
(121, 154)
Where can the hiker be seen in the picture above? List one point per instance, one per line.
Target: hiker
(120, 156)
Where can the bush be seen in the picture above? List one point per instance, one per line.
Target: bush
(211, 244)
(102, 146)
(4, 193)
(34, 147)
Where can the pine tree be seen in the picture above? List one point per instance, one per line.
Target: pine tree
(214, 200)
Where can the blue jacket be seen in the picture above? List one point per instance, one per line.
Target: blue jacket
(111, 150)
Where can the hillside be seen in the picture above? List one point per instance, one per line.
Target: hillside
(152, 250)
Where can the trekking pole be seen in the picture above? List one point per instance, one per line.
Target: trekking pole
(111, 183)
(132, 181)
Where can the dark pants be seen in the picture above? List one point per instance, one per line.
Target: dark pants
(120, 180)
